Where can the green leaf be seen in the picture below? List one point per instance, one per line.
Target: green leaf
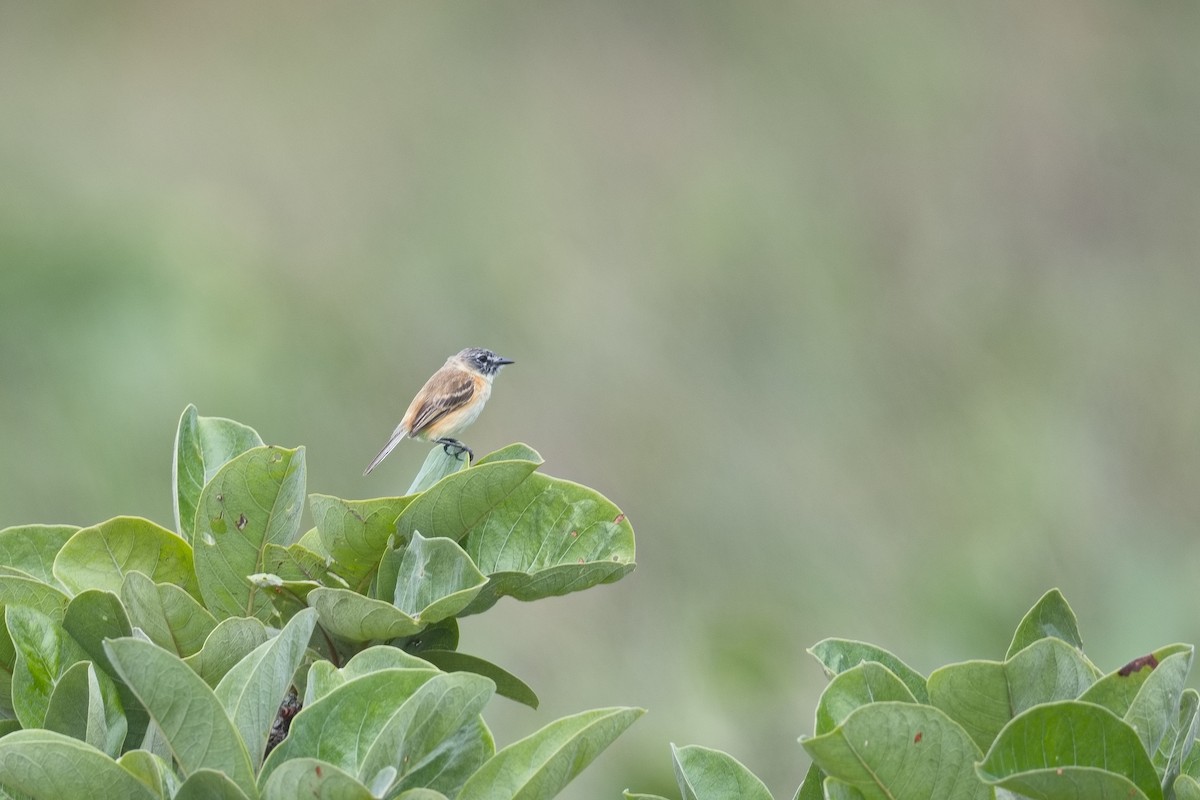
(703, 773)
(1050, 616)
(348, 614)
(430, 740)
(839, 790)
(167, 614)
(548, 537)
(311, 777)
(355, 533)
(254, 500)
(202, 446)
(342, 725)
(512, 452)
(50, 766)
(864, 683)
(1186, 788)
(507, 684)
(43, 653)
(436, 579)
(323, 677)
(438, 464)
(151, 770)
(16, 590)
(628, 795)
(32, 548)
(885, 747)
(421, 794)
(91, 617)
(99, 557)
(229, 643)
(1073, 750)
(252, 691)
(191, 717)
(810, 787)
(208, 784)
(455, 505)
(1177, 744)
(438, 636)
(81, 707)
(1146, 692)
(540, 765)
(983, 696)
(839, 655)
(297, 563)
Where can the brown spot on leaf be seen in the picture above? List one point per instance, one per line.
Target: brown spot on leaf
(619, 519)
(241, 523)
(917, 738)
(1137, 664)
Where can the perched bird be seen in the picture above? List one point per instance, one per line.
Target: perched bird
(448, 402)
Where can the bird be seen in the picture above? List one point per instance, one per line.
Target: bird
(448, 402)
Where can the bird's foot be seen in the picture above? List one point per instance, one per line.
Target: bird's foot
(453, 447)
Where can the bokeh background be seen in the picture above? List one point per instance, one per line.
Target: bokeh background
(877, 319)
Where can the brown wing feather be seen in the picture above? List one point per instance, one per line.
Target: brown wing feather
(446, 391)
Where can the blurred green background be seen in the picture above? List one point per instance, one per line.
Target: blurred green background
(878, 320)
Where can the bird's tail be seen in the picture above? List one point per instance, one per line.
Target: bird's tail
(397, 435)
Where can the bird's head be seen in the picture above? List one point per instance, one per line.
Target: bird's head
(482, 361)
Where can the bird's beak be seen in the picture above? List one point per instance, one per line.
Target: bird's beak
(500, 362)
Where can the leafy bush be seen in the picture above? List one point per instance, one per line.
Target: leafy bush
(1043, 723)
(140, 662)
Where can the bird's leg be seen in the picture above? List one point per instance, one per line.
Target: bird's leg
(458, 448)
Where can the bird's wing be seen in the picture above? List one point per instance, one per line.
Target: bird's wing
(446, 391)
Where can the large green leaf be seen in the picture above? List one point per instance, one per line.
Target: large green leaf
(839, 655)
(703, 773)
(50, 766)
(202, 446)
(432, 738)
(352, 616)
(82, 707)
(167, 614)
(32, 549)
(311, 777)
(540, 765)
(253, 689)
(900, 750)
(436, 579)
(229, 643)
(254, 500)
(983, 696)
(507, 684)
(44, 652)
(99, 557)
(342, 725)
(92, 617)
(17, 590)
(1050, 616)
(355, 532)
(864, 683)
(457, 504)
(323, 677)
(200, 734)
(1071, 750)
(548, 537)
(1146, 692)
